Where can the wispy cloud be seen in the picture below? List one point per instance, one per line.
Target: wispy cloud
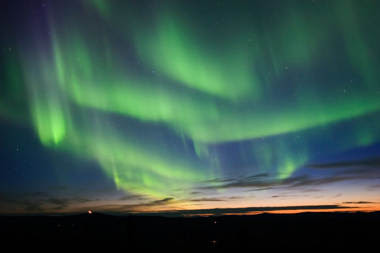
(206, 199)
(247, 210)
(159, 202)
(374, 187)
(60, 203)
(370, 162)
(351, 170)
(359, 202)
(132, 197)
(125, 208)
(251, 177)
(37, 202)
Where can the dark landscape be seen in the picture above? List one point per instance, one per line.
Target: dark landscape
(305, 230)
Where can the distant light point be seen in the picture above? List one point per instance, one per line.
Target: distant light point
(89, 212)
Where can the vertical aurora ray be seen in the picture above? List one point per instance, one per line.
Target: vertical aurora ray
(135, 166)
(12, 105)
(278, 157)
(49, 108)
(357, 42)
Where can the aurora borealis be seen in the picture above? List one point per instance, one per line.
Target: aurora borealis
(143, 106)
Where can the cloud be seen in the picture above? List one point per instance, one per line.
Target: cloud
(260, 189)
(163, 202)
(247, 210)
(32, 206)
(224, 180)
(357, 170)
(261, 175)
(312, 190)
(219, 180)
(60, 203)
(258, 184)
(309, 181)
(370, 162)
(241, 183)
(136, 207)
(36, 202)
(206, 199)
(159, 202)
(63, 203)
(359, 202)
(374, 187)
(131, 197)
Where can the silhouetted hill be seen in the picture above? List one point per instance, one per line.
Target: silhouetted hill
(307, 230)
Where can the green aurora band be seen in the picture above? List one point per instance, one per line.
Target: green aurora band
(207, 90)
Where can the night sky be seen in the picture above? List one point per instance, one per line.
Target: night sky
(191, 107)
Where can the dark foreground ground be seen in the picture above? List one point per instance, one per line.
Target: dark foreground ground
(308, 230)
